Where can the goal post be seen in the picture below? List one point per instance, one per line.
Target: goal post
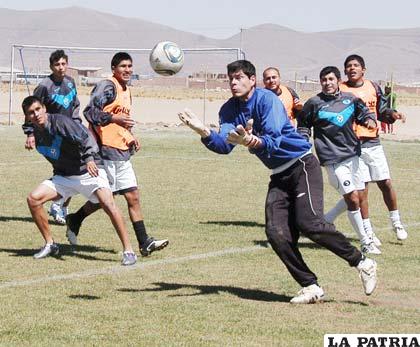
(89, 52)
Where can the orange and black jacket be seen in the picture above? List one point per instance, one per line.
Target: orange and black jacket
(371, 94)
(108, 99)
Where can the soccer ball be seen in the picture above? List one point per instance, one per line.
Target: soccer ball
(166, 58)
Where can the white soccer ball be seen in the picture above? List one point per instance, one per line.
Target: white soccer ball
(166, 58)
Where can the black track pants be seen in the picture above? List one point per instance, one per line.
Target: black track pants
(295, 205)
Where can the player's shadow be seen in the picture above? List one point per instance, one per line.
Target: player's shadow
(249, 224)
(84, 297)
(14, 218)
(65, 251)
(23, 219)
(243, 293)
(302, 244)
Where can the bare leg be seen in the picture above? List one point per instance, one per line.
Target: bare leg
(364, 201)
(108, 204)
(388, 194)
(133, 204)
(36, 200)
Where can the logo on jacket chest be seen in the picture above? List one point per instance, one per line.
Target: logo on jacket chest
(338, 118)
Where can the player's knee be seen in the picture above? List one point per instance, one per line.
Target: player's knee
(385, 185)
(109, 206)
(132, 198)
(352, 200)
(276, 238)
(33, 200)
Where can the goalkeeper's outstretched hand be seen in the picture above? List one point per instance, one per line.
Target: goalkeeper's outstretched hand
(243, 136)
(191, 120)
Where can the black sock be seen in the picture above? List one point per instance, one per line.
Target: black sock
(140, 231)
(80, 215)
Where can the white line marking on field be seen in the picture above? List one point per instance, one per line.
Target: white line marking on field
(117, 269)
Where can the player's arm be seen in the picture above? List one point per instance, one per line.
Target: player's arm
(28, 130)
(103, 94)
(216, 142)
(76, 109)
(78, 134)
(384, 112)
(363, 116)
(297, 103)
(305, 119)
(273, 118)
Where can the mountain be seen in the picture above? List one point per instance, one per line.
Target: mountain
(294, 52)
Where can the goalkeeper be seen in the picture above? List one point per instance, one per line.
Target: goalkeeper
(255, 118)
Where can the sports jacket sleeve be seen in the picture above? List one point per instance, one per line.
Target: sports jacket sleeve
(76, 110)
(103, 94)
(269, 118)
(297, 103)
(272, 117)
(304, 120)
(383, 111)
(77, 133)
(362, 112)
(217, 142)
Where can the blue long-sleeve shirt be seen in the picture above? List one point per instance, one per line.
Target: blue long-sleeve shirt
(280, 142)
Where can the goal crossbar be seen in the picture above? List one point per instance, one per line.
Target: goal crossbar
(239, 54)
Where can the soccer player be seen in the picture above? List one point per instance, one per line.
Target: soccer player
(58, 93)
(255, 118)
(73, 153)
(331, 114)
(289, 98)
(373, 162)
(108, 114)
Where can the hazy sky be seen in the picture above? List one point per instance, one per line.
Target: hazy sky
(223, 18)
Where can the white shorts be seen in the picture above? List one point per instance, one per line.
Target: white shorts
(346, 176)
(67, 186)
(121, 175)
(373, 164)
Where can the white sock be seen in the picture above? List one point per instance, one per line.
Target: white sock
(368, 227)
(338, 209)
(394, 216)
(355, 218)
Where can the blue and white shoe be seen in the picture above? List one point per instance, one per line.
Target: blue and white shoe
(58, 212)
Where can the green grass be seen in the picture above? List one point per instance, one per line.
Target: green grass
(204, 203)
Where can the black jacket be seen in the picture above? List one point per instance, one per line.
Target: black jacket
(332, 118)
(67, 145)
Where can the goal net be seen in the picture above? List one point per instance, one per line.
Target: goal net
(200, 84)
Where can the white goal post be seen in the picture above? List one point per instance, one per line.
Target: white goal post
(237, 52)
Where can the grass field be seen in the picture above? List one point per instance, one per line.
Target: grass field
(218, 283)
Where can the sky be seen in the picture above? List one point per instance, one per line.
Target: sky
(224, 18)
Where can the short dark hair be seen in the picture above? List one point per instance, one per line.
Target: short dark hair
(246, 66)
(57, 55)
(119, 57)
(271, 68)
(359, 59)
(29, 101)
(330, 69)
